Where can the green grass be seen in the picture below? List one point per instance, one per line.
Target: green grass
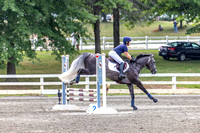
(141, 30)
(48, 64)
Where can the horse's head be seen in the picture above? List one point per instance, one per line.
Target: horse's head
(150, 64)
(147, 61)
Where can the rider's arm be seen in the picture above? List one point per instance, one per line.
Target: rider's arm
(128, 55)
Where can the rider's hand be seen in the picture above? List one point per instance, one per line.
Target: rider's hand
(132, 60)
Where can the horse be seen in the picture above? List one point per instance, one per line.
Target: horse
(85, 64)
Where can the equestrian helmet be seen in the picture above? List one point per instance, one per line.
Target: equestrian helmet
(126, 39)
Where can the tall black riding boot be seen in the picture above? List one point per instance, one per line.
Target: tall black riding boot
(121, 67)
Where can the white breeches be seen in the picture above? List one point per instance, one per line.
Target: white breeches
(115, 56)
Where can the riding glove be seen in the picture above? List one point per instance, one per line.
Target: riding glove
(132, 60)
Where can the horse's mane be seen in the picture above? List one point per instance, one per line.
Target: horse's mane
(142, 55)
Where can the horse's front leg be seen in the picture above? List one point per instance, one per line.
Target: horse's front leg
(139, 84)
(130, 86)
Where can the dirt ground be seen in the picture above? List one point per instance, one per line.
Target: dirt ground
(172, 114)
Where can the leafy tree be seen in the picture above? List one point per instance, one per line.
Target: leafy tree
(118, 5)
(50, 20)
(131, 11)
(95, 7)
(187, 10)
(115, 7)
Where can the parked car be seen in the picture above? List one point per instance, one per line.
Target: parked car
(180, 50)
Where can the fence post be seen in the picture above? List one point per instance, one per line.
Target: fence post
(81, 43)
(146, 42)
(104, 79)
(98, 77)
(167, 40)
(104, 43)
(87, 80)
(188, 38)
(174, 84)
(41, 85)
(65, 67)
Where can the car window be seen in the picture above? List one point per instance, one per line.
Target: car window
(174, 44)
(194, 45)
(187, 45)
(179, 45)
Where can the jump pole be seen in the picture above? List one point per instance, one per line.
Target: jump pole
(65, 67)
(101, 81)
(64, 106)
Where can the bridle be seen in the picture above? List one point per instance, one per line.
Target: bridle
(145, 65)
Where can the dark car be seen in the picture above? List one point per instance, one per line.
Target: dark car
(180, 50)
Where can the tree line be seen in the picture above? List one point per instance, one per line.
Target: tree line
(54, 20)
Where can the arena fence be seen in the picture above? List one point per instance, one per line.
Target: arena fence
(87, 82)
(145, 42)
(139, 43)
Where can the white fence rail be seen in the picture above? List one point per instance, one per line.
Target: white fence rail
(87, 84)
(137, 42)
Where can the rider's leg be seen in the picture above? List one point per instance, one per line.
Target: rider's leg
(118, 59)
(121, 67)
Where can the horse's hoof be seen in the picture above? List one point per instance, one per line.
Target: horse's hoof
(72, 82)
(155, 100)
(66, 83)
(135, 108)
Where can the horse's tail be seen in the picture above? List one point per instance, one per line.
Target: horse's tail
(76, 65)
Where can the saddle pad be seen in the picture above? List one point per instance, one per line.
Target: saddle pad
(112, 66)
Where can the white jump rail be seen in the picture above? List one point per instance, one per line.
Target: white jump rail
(88, 82)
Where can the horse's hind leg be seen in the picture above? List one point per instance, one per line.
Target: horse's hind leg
(139, 84)
(81, 72)
(130, 86)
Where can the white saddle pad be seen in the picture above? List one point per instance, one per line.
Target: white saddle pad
(112, 66)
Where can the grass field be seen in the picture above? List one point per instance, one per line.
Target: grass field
(142, 29)
(48, 64)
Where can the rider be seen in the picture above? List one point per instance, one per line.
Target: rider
(116, 53)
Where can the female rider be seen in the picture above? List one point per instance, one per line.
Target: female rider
(116, 53)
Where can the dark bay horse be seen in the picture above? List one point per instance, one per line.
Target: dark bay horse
(85, 64)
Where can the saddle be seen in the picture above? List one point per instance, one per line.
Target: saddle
(117, 64)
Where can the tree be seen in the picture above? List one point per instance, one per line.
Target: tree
(131, 11)
(95, 7)
(116, 29)
(104, 17)
(115, 7)
(185, 10)
(96, 10)
(47, 19)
